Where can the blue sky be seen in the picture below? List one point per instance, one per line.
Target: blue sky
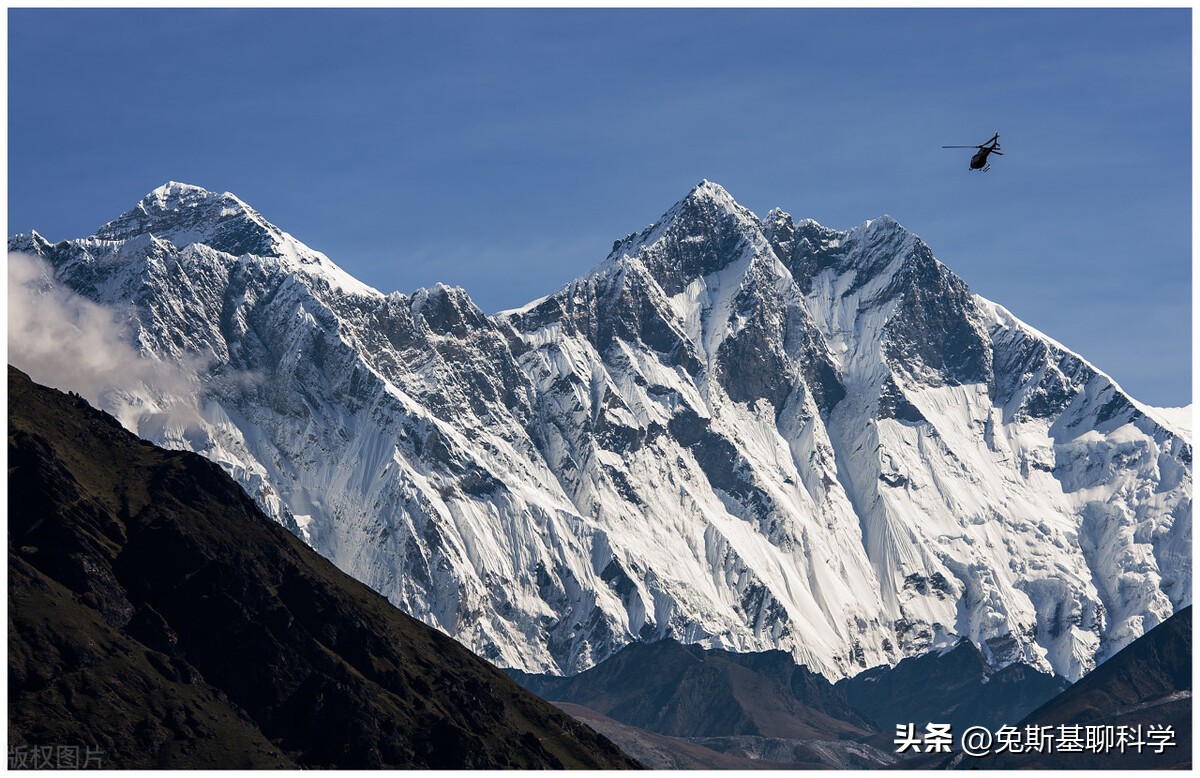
(505, 150)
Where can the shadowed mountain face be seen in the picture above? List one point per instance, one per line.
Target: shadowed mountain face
(764, 706)
(157, 615)
(955, 687)
(682, 706)
(687, 691)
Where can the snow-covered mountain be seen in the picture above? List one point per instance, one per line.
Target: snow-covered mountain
(741, 432)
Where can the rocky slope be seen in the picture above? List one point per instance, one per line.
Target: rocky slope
(763, 706)
(741, 432)
(156, 618)
(687, 691)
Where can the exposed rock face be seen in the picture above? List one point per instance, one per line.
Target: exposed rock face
(746, 433)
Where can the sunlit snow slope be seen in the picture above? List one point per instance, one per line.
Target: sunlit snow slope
(742, 432)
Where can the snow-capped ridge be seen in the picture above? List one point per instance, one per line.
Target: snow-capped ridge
(1175, 420)
(1179, 420)
(743, 433)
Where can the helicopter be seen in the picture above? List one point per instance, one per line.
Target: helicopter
(979, 161)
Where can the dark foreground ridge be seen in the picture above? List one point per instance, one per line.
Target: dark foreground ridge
(157, 618)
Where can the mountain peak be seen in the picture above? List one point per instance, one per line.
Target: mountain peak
(880, 225)
(185, 214)
(710, 196)
(698, 235)
(175, 198)
(710, 190)
(178, 188)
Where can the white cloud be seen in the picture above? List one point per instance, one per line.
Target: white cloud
(70, 343)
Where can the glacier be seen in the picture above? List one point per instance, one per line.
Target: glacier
(748, 433)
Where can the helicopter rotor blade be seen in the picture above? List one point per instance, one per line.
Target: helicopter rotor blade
(962, 147)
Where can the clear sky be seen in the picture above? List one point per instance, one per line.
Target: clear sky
(505, 150)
